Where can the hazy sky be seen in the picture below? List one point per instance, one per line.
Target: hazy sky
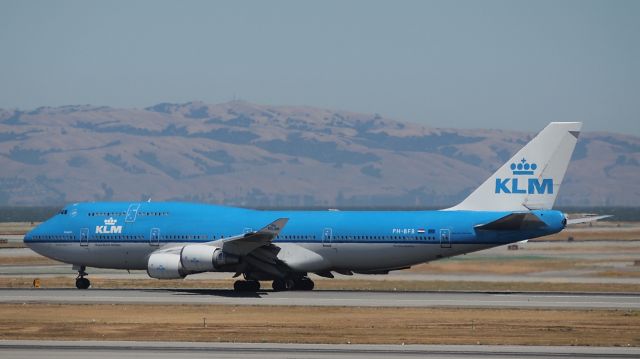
(495, 64)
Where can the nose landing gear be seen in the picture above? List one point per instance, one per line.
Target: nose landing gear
(81, 281)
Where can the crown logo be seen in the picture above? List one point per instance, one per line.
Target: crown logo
(110, 222)
(523, 168)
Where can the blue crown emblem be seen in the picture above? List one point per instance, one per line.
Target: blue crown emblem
(523, 168)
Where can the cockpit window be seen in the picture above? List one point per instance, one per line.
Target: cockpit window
(63, 211)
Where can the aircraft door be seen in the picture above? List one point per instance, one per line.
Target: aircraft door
(132, 212)
(445, 238)
(326, 237)
(84, 237)
(154, 237)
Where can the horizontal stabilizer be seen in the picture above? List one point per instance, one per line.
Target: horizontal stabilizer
(513, 222)
(587, 219)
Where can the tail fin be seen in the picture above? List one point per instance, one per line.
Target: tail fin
(532, 177)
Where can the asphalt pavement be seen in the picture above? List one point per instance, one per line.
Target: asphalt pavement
(161, 350)
(326, 298)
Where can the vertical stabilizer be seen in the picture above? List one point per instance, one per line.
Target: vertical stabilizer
(531, 179)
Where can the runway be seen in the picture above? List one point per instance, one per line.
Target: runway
(326, 298)
(160, 350)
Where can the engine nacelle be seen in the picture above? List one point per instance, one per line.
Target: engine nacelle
(204, 258)
(165, 266)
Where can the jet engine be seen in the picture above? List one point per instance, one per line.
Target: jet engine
(165, 266)
(204, 258)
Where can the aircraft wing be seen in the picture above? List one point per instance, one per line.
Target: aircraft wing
(513, 222)
(246, 243)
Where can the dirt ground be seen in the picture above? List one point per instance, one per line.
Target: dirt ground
(505, 265)
(17, 227)
(320, 324)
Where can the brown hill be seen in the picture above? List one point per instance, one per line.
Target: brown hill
(252, 155)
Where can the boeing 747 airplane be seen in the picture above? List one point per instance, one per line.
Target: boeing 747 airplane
(174, 240)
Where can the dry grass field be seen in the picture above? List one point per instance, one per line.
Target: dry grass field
(285, 324)
(16, 228)
(491, 266)
(32, 260)
(598, 231)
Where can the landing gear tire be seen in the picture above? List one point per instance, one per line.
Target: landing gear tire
(246, 286)
(82, 283)
(304, 284)
(280, 285)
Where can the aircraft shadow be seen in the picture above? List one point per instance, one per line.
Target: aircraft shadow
(229, 293)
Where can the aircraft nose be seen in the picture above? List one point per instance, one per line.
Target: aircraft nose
(28, 238)
(32, 236)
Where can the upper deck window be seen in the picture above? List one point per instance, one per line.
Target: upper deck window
(153, 213)
(107, 214)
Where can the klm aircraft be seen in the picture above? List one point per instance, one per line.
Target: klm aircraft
(174, 240)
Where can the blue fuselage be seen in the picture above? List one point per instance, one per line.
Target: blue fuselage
(123, 235)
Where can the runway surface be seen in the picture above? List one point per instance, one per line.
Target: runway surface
(99, 350)
(325, 298)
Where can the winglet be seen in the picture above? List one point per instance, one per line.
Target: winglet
(244, 244)
(274, 227)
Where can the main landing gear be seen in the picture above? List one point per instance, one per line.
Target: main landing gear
(278, 285)
(303, 283)
(81, 281)
(246, 286)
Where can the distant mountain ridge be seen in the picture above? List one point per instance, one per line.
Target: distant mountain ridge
(240, 153)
